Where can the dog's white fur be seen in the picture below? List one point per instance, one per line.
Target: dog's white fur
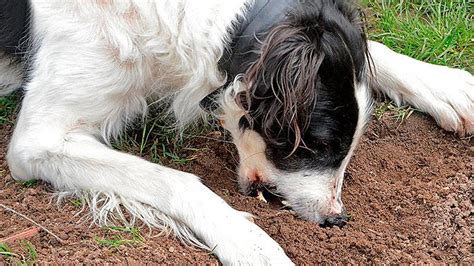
(93, 73)
(444, 93)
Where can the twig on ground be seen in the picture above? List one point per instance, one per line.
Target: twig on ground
(32, 221)
(31, 232)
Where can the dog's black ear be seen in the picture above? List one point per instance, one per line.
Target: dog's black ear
(283, 83)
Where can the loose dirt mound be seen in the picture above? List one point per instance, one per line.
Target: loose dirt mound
(408, 190)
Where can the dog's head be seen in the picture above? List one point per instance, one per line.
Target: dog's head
(299, 110)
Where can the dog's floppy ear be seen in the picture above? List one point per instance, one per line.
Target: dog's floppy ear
(282, 83)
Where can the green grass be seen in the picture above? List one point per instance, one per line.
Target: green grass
(8, 106)
(77, 202)
(31, 254)
(434, 31)
(159, 142)
(29, 183)
(28, 255)
(6, 251)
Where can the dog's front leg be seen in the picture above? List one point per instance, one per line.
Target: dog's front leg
(73, 160)
(446, 94)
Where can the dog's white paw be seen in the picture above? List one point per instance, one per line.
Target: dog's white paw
(230, 234)
(447, 95)
(247, 244)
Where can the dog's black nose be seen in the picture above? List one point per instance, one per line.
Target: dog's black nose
(337, 220)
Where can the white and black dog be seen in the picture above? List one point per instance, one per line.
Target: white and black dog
(290, 80)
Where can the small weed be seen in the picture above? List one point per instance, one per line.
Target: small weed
(32, 255)
(76, 202)
(7, 252)
(401, 114)
(8, 106)
(15, 258)
(29, 183)
(158, 141)
(381, 109)
(117, 241)
(114, 242)
(133, 231)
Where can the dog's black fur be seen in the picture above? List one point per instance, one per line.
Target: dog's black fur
(14, 26)
(303, 97)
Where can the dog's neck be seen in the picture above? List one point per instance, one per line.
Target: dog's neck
(247, 33)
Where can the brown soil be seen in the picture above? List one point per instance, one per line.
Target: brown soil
(408, 189)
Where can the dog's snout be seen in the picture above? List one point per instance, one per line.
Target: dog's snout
(338, 220)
